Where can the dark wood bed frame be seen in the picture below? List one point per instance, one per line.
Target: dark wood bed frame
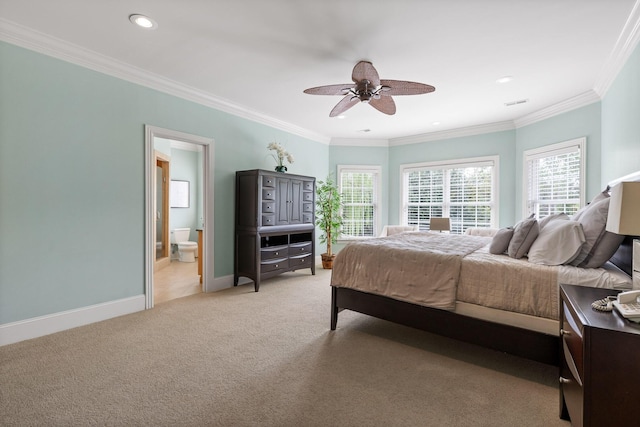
(510, 339)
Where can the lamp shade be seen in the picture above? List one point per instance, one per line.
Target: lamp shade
(439, 224)
(624, 209)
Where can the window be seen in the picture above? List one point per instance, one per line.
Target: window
(360, 189)
(463, 190)
(554, 178)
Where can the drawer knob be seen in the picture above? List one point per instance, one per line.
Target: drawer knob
(277, 266)
(277, 253)
(564, 332)
(564, 380)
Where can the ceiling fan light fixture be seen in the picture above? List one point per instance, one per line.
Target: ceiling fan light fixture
(143, 21)
(368, 88)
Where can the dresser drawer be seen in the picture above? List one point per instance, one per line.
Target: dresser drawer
(307, 196)
(274, 252)
(307, 218)
(274, 265)
(299, 248)
(268, 181)
(301, 261)
(268, 220)
(268, 194)
(307, 185)
(572, 390)
(572, 342)
(269, 207)
(307, 207)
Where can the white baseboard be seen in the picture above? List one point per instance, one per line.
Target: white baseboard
(226, 282)
(44, 325)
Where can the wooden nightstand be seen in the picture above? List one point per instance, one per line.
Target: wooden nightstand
(599, 362)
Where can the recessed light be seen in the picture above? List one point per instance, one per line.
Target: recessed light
(143, 21)
(505, 79)
(435, 123)
(341, 116)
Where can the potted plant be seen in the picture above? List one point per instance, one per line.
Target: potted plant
(328, 217)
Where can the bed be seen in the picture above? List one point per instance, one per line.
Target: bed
(453, 286)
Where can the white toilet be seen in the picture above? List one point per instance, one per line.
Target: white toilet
(186, 249)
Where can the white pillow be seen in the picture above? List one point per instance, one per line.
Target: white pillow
(559, 242)
(554, 217)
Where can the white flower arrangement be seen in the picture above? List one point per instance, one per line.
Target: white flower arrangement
(280, 155)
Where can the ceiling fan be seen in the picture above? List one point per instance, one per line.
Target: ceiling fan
(370, 89)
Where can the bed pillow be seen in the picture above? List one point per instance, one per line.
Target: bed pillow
(524, 233)
(599, 197)
(600, 244)
(604, 250)
(555, 217)
(500, 242)
(558, 242)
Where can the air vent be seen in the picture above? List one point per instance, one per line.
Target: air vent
(521, 101)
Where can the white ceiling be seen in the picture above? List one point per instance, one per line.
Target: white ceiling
(257, 56)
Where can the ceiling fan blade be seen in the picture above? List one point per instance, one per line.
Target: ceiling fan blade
(330, 89)
(364, 70)
(401, 87)
(342, 106)
(384, 104)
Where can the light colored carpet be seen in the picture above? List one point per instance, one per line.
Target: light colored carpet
(240, 358)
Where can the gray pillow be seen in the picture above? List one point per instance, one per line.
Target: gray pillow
(599, 197)
(559, 242)
(600, 244)
(603, 250)
(500, 242)
(524, 234)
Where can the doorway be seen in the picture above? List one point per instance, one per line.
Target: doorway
(159, 249)
(163, 245)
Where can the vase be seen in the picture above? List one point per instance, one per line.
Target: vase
(281, 168)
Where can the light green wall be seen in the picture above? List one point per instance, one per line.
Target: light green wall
(72, 172)
(621, 122)
(72, 180)
(501, 144)
(574, 124)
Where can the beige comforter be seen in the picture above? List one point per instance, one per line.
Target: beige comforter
(501, 282)
(422, 268)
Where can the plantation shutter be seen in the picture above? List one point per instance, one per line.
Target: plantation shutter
(554, 181)
(358, 190)
(464, 192)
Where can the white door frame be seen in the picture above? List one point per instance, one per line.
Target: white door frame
(152, 132)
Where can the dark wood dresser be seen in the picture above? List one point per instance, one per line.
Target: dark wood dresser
(274, 224)
(600, 361)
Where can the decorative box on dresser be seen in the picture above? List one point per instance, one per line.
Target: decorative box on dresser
(600, 361)
(274, 224)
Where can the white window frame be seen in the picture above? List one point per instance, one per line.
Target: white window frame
(549, 151)
(493, 161)
(376, 170)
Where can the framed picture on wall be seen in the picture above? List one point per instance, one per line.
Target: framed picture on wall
(179, 195)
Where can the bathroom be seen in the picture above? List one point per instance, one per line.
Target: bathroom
(178, 207)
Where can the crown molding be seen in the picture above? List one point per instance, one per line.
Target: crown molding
(624, 47)
(57, 48)
(453, 133)
(31, 39)
(578, 101)
(359, 142)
